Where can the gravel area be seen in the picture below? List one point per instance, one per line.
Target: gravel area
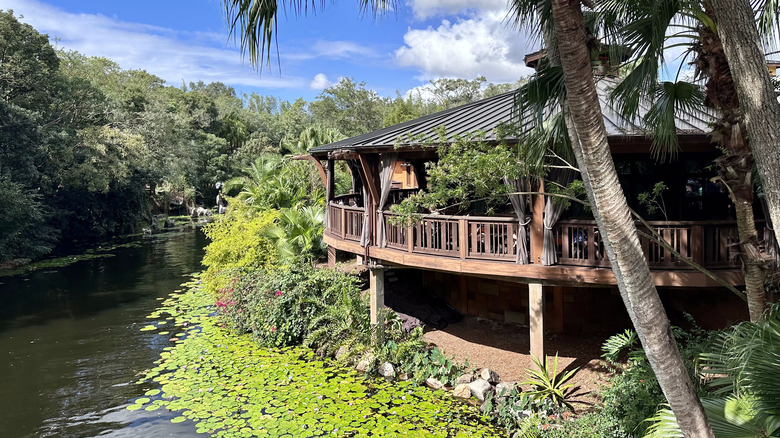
(504, 348)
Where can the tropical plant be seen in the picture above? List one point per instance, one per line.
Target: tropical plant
(298, 232)
(344, 323)
(616, 344)
(550, 385)
(741, 373)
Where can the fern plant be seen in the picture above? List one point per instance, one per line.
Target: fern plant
(616, 344)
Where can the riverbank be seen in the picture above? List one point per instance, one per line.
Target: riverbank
(229, 386)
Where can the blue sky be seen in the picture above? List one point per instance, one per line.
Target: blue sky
(186, 40)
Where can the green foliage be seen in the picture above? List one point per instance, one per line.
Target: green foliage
(237, 245)
(432, 362)
(298, 233)
(467, 175)
(549, 385)
(228, 386)
(740, 371)
(616, 344)
(653, 201)
(634, 394)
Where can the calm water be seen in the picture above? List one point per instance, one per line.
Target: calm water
(71, 343)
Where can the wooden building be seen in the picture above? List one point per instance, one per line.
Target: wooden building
(479, 264)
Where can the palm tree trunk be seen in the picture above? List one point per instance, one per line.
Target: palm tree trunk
(741, 42)
(589, 141)
(735, 167)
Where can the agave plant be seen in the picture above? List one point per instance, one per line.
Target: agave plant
(550, 385)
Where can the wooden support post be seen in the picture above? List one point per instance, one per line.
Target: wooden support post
(331, 257)
(537, 226)
(463, 298)
(536, 319)
(376, 291)
(557, 314)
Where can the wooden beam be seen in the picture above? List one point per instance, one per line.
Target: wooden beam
(536, 319)
(370, 178)
(561, 275)
(318, 164)
(376, 291)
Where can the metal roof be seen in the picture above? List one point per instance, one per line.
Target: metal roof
(488, 114)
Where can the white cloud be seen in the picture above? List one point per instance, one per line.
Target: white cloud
(320, 82)
(479, 46)
(430, 8)
(170, 54)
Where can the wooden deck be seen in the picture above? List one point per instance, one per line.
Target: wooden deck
(487, 246)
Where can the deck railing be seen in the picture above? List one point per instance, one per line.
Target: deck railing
(577, 242)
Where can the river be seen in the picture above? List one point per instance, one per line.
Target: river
(72, 346)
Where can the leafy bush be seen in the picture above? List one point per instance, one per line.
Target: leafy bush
(634, 394)
(237, 246)
(434, 363)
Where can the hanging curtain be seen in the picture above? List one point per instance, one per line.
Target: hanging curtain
(354, 170)
(552, 213)
(365, 236)
(328, 191)
(388, 168)
(519, 204)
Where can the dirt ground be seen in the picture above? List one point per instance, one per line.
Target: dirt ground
(504, 348)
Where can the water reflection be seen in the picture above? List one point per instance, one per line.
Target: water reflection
(72, 343)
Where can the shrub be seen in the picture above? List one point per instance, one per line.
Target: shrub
(237, 246)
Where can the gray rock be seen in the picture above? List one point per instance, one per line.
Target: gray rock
(522, 415)
(489, 375)
(465, 378)
(364, 363)
(342, 352)
(387, 371)
(503, 389)
(434, 383)
(480, 389)
(462, 391)
(403, 376)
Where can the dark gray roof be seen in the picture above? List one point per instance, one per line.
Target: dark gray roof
(487, 114)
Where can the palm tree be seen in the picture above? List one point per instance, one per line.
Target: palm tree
(298, 232)
(647, 32)
(742, 44)
(588, 138)
(256, 22)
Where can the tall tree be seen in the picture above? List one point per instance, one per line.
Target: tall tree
(647, 33)
(758, 102)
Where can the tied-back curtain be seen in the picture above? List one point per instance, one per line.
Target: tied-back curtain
(365, 235)
(328, 191)
(552, 213)
(520, 204)
(388, 168)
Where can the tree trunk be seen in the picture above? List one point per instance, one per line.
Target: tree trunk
(735, 167)
(589, 141)
(741, 42)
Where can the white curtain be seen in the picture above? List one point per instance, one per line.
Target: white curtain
(388, 168)
(520, 204)
(552, 213)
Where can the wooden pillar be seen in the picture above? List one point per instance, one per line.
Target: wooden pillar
(376, 291)
(537, 225)
(331, 257)
(536, 319)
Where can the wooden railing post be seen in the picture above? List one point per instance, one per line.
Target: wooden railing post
(410, 238)
(343, 223)
(697, 244)
(463, 238)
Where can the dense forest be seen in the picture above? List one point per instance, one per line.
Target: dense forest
(89, 150)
